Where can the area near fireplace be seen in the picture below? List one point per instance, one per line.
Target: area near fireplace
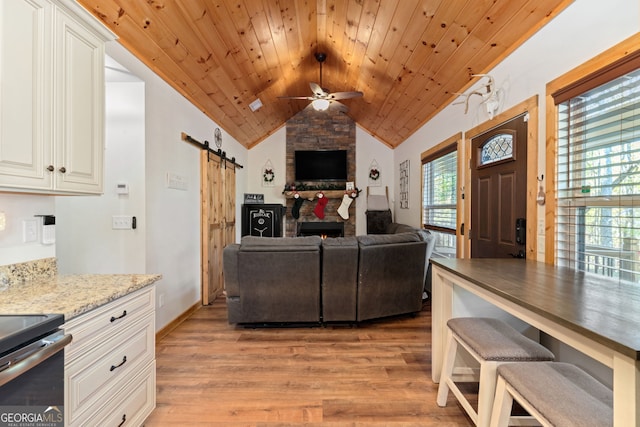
(322, 229)
(320, 130)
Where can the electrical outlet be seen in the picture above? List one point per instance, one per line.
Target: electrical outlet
(122, 222)
(29, 230)
(161, 300)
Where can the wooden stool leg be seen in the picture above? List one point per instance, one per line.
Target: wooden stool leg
(451, 349)
(502, 405)
(486, 392)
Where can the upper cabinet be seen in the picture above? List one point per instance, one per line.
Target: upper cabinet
(51, 97)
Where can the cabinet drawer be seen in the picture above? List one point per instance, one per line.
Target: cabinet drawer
(131, 405)
(89, 377)
(96, 326)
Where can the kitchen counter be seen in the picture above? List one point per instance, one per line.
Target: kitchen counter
(71, 295)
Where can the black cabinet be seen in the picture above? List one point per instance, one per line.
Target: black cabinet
(264, 220)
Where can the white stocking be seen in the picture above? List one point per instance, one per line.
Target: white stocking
(343, 210)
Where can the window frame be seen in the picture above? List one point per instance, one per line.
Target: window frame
(452, 144)
(608, 65)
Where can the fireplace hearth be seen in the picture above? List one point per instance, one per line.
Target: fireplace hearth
(322, 229)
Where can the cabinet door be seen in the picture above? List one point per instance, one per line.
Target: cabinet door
(26, 93)
(79, 107)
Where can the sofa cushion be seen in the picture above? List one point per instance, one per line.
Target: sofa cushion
(391, 228)
(339, 279)
(385, 239)
(280, 244)
(340, 241)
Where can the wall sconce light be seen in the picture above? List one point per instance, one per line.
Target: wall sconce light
(3, 221)
(320, 104)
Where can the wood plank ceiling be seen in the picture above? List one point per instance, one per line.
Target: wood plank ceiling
(408, 57)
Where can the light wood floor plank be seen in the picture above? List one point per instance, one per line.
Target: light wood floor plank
(210, 373)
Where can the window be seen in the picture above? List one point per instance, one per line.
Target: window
(598, 177)
(439, 195)
(497, 149)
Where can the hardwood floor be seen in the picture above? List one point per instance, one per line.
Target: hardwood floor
(210, 373)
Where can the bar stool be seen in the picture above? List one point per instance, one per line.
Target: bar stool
(554, 393)
(490, 342)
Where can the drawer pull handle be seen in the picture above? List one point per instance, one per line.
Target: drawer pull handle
(114, 367)
(113, 318)
(124, 418)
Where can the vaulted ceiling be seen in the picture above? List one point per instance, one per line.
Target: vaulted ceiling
(408, 57)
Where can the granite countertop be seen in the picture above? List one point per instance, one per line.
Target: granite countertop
(71, 295)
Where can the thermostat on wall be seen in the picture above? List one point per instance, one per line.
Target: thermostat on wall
(48, 236)
(122, 188)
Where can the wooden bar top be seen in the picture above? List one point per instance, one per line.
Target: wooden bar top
(604, 310)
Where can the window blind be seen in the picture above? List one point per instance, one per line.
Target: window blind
(598, 180)
(439, 192)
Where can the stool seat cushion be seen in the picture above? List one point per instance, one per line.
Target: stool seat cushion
(563, 393)
(492, 339)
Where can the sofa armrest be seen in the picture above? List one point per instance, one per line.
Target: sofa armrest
(230, 269)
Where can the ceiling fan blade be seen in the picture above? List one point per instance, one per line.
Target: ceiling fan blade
(318, 92)
(335, 105)
(309, 98)
(344, 95)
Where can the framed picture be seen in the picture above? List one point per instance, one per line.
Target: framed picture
(404, 185)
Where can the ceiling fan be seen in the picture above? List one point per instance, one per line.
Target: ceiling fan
(322, 98)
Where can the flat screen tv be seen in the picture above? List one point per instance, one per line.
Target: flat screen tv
(321, 165)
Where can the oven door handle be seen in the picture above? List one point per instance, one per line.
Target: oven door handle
(33, 360)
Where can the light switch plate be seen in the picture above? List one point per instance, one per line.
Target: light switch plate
(122, 222)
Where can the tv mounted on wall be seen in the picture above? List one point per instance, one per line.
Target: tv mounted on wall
(321, 165)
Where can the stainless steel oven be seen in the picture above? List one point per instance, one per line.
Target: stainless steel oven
(32, 370)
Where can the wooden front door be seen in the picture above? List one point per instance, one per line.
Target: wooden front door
(218, 189)
(499, 191)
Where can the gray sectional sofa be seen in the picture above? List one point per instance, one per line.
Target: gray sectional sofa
(311, 280)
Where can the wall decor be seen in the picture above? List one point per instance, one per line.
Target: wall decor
(404, 185)
(268, 175)
(253, 198)
(374, 174)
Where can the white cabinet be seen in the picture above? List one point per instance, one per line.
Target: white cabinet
(110, 363)
(51, 97)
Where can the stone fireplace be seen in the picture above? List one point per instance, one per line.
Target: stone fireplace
(318, 130)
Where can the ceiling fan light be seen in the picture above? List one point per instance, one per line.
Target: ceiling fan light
(320, 104)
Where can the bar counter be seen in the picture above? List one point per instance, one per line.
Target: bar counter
(595, 315)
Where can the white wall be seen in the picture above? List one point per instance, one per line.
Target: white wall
(369, 149)
(274, 149)
(86, 241)
(172, 217)
(18, 208)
